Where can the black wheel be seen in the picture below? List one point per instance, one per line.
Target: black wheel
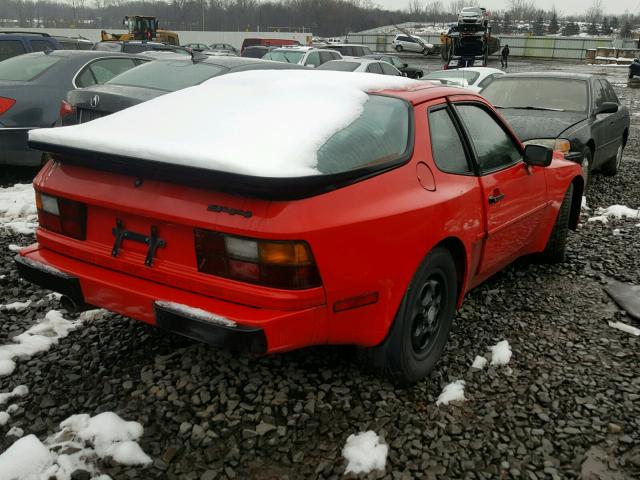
(587, 165)
(630, 74)
(419, 332)
(555, 251)
(613, 164)
(419, 75)
(398, 48)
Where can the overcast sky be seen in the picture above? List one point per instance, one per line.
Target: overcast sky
(564, 6)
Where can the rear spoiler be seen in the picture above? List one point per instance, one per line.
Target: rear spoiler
(266, 188)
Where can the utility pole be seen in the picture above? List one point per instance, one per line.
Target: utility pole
(202, 8)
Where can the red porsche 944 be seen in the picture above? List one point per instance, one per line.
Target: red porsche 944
(364, 222)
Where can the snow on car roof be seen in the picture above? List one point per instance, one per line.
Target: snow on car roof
(236, 123)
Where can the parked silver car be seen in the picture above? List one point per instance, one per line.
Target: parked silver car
(411, 43)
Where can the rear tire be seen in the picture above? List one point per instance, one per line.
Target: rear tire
(421, 327)
(398, 48)
(630, 74)
(613, 164)
(556, 249)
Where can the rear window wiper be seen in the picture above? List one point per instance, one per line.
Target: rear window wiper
(534, 108)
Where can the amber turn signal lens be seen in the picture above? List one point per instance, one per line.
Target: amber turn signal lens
(563, 145)
(281, 253)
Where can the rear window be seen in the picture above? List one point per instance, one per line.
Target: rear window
(283, 56)
(380, 135)
(25, 68)
(10, 48)
(460, 77)
(339, 66)
(108, 47)
(538, 92)
(168, 76)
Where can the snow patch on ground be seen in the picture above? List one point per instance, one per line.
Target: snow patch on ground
(89, 438)
(18, 208)
(500, 353)
(625, 328)
(16, 306)
(365, 452)
(15, 248)
(616, 211)
(4, 418)
(454, 392)
(479, 362)
(274, 97)
(38, 338)
(584, 205)
(15, 432)
(19, 391)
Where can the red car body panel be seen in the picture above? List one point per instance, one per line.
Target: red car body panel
(367, 237)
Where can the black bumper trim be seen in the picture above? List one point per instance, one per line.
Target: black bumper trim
(57, 281)
(237, 338)
(574, 157)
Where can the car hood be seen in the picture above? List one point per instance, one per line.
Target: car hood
(533, 124)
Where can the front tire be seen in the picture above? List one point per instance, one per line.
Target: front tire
(398, 48)
(421, 327)
(613, 164)
(556, 249)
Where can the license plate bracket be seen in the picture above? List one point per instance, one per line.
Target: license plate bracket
(153, 240)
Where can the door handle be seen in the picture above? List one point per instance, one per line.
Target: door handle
(495, 198)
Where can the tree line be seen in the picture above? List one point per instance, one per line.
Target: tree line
(322, 17)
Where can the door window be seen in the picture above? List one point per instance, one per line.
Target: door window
(598, 95)
(40, 45)
(388, 69)
(396, 63)
(11, 48)
(446, 146)
(609, 92)
(313, 59)
(374, 68)
(494, 148)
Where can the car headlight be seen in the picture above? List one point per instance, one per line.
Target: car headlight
(558, 144)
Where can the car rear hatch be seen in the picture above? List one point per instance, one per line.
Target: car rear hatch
(163, 232)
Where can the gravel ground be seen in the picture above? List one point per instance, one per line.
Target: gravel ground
(566, 406)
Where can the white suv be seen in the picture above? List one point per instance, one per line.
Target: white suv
(413, 43)
(308, 56)
(475, 16)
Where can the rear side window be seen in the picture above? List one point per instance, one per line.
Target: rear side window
(134, 48)
(85, 78)
(40, 45)
(68, 45)
(388, 69)
(374, 68)
(84, 45)
(11, 48)
(340, 66)
(609, 92)
(108, 46)
(168, 75)
(314, 59)
(26, 67)
(104, 70)
(487, 81)
(379, 136)
(446, 145)
(494, 148)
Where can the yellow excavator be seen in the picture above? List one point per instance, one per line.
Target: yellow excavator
(141, 27)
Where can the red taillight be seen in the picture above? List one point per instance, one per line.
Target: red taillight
(277, 264)
(6, 104)
(62, 215)
(66, 109)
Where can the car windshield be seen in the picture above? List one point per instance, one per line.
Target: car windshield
(339, 66)
(455, 76)
(284, 56)
(25, 68)
(168, 75)
(537, 92)
(379, 135)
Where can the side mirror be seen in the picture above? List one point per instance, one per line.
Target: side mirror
(607, 107)
(405, 65)
(537, 155)
(124, 22)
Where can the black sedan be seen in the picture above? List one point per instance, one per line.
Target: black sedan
(577, 114)
(153, 79)
(32, 87)
(407, 70)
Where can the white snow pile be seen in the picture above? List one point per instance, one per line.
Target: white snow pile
(454, 392)
(16, 306)
(18, 208)
(19, 391)
(616, 211)
(87, 438)
(365, 452)
(500, 353)
(15, 248)
(479, 362)
(197, 313)
(625, 328)
(242, 102)
(38, 338)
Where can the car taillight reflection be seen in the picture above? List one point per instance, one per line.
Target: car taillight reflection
(62, 215)
(278, 264)
(5, 104)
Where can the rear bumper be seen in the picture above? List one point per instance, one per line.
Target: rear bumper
(242, 328)
(14, 149)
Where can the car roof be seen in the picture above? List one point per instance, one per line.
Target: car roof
(347, 45)
(360, 60)
(225, 61)
(567, 75)
(82, 53)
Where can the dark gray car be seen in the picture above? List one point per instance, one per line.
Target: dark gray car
(154, 79)
(32, 88)
(577, 113)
